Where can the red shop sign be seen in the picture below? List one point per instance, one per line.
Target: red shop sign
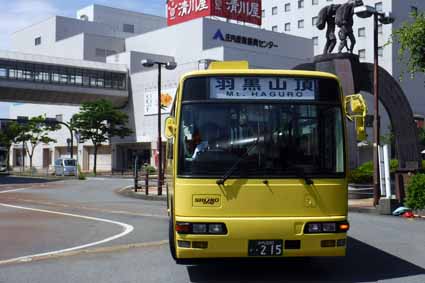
(248, 11)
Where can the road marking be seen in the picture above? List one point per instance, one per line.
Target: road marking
(100, 250)
(11, 191)
(75, 206)
(127, 229)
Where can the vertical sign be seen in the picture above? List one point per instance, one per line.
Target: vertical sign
(151, 101)
(248, 11)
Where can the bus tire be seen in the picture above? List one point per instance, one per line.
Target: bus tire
(171, 239)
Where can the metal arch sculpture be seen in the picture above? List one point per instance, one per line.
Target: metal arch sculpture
(340, 15)
(356, 77)
(400, 113)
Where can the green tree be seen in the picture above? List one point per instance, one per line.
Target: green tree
(8, 136)
(34, 132)
(99, 121)
(411, 37)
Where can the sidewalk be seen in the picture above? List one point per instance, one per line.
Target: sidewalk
(362, 205)
(140, 194)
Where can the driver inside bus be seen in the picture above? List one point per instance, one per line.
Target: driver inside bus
(209, 139)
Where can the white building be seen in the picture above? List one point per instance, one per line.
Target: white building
(116, 36)
(299, 17)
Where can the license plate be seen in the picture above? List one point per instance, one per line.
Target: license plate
(265, 247)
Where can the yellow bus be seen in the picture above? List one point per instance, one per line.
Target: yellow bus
(256, 164)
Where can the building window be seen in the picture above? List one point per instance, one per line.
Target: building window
(288, 27)
(380, 51)
(413, 10)
(314, 2)
(110, 52)
(128, 28)
(362, 53)
(301, 24)
(274, 10)
(287, 7)
(263, 13)
(378, 7)
(315, 41)
(380, 29)
(300, 4)
(314, 21)
(362, 32)
(100, 52)
(84, 18)
(274, 28)
(37, 41)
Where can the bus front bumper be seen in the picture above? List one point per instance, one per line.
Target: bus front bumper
(243, 231)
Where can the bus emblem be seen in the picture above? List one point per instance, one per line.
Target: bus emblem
(206, 200)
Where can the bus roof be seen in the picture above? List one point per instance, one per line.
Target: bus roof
(271, 72)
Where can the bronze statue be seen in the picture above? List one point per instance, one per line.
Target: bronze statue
(342, 16)
(327, 17)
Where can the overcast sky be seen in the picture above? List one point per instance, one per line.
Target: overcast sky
(17, 14)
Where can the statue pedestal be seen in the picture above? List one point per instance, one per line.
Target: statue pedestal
(344, 66)
(387, 206)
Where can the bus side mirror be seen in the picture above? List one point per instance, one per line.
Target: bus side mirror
(170, 127)
(356, 110)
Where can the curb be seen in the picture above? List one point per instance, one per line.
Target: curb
(129, 192)
(376, 212)
(363, 210)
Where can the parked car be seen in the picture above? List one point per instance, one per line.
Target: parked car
(65, 167)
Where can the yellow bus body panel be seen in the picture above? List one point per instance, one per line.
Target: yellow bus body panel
(252, 198)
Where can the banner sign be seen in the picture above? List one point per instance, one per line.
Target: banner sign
(262, 88)
(248, 11)
(151, 101)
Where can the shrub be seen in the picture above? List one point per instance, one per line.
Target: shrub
(150, 169)
(364, 173)
(81, 175)
(416, 192)
(393, 165)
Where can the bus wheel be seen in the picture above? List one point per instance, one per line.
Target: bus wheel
(171, 239)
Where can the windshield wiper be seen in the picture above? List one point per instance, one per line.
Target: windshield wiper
(232, 169)
(301, 174)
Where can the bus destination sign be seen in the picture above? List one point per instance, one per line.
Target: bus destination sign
(262, 88)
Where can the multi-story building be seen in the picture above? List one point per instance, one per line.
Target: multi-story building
(107, 38)
(299, 17)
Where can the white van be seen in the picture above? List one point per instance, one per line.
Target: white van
(65, 167)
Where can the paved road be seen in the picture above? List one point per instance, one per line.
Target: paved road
(142, 256)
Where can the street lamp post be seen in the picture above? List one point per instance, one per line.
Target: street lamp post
(171, 65)
(366, 12)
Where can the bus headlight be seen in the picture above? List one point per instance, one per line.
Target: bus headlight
(216, 229)
(329, 227)
(314, 228)
(326, 227)
(198, 228)
(201, 228)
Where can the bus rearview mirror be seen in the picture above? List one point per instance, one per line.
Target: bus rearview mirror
(356, 110)
(170, 127)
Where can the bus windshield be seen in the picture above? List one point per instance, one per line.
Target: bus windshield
(287, 137)
(275, 139)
